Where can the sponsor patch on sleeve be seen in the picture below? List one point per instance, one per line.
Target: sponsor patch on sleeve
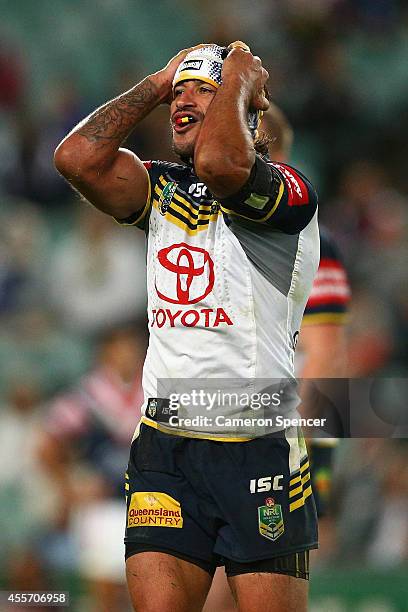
(297, 189)
(152, 509)
(257, 201)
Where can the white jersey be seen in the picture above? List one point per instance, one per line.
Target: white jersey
(227, 287)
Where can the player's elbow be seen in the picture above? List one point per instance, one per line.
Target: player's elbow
(63, 159)
(74, 163)
(67, 161)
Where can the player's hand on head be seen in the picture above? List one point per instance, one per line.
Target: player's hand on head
(166, 74)
(240, 61)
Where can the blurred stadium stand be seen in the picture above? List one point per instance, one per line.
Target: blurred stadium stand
(338, 68)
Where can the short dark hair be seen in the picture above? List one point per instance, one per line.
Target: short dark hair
(261, 143)
(262, 139)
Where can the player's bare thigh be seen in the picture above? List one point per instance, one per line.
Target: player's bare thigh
(161, 582)
(269, 592)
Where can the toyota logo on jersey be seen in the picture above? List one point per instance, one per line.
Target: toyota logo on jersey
(192, 270)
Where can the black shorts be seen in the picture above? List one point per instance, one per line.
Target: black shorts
(238, 504)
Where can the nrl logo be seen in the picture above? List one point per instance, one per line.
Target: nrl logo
(270, 520)
(166, 197)
(152, 408)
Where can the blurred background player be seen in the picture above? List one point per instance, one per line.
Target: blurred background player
(321, 350)
(85, 449)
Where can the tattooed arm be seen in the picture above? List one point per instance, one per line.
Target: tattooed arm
(114, 179)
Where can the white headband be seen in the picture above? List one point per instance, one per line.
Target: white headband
(203, 64)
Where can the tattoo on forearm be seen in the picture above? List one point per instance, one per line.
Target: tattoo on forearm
(112, 122)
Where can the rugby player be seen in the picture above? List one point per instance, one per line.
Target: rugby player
(233, 248)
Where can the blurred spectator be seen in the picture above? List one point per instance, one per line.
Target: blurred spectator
(85, 449)
(370, 214)
(370, 338)
(370, 221)
(33, 342)
(376, 530)
(389, 545)
(329, 109)
(355, 480)
(30, 173)
(27, 500)
(24, 250)
(96, 277)
(12, 77)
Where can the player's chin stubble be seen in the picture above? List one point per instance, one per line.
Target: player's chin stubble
(184, 150)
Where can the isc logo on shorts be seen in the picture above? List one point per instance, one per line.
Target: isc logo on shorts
(151, 509)
(267, 483)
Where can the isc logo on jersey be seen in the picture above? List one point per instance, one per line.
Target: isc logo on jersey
(186, 277)
(198, 190)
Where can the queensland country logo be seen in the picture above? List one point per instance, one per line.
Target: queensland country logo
(166, 197)
(151, 509)
(270, 520)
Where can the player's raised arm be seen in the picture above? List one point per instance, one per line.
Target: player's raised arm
(232, 161)
(224, 154)
(114, 179)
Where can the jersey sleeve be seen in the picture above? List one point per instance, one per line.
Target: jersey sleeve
(140, 218)
(276, 195)
(330, 294)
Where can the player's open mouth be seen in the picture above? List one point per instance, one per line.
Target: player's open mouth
(182, 122)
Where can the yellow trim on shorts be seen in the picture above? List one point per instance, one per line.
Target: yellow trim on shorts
(186, 434)
(301, 501)
(299, 489)
(304, 467)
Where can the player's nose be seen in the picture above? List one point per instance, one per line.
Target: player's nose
(186, 98)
